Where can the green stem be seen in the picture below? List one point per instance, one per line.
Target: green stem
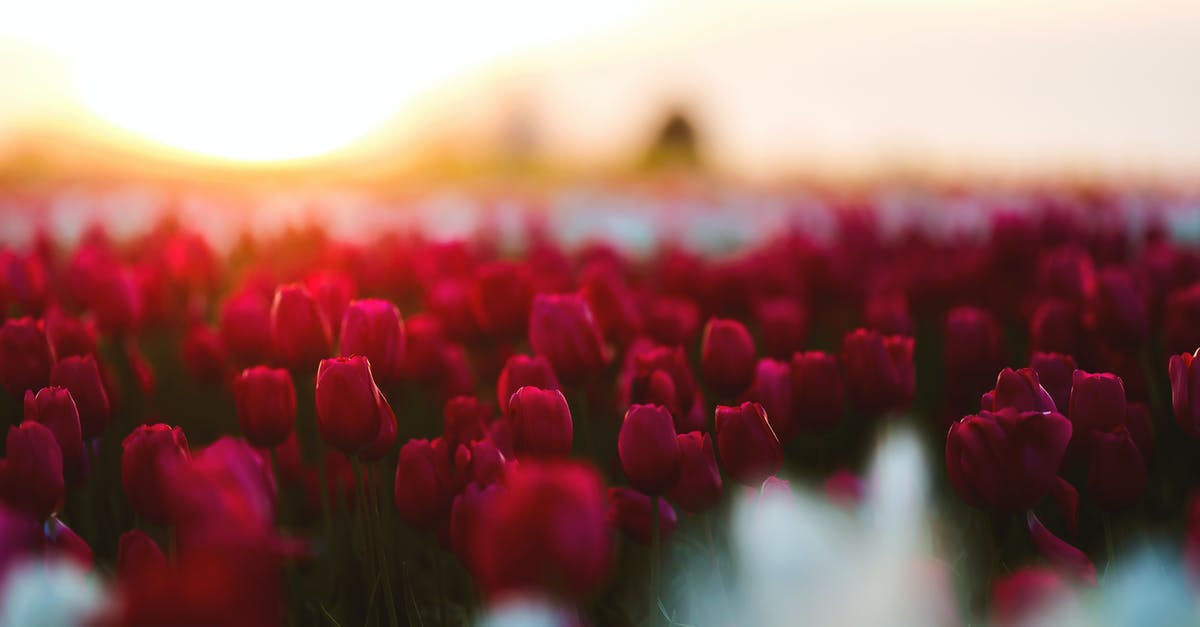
(1108, 541)
(382, 548)
(655, 564)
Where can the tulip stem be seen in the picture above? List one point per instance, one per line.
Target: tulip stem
(326, 519)
(377, 520)
(1106, 518)
(654, 555)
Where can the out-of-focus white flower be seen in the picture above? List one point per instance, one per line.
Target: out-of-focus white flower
(51, 593)
(526, 612)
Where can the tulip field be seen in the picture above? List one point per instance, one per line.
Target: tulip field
(981, 407)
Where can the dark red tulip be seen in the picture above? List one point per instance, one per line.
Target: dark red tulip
(480, 462)
(81, 377)
(973, 350)
(1067, 498)
(612, 303)
(333, 290)
(749, 450)
(783, 325)
(300, 334)
(465, 514)
(349, 405)
(266, 405)
(464, 419)
(372, 328)
(1097, 402)
(62, 541)
(1067, 273)
(449, 299)
(521, 371)
(1141, 428)
(1067, 559)
(424, 487)
(540, 421)
(1181, 320)
(137, 552)
(22, 282)
(1006, 460)
(203, 354)
(629, 511)
(150, 455)
(1024, 594)
(562, 329)
(1055, 373)
(647, 448)
(727, 356)
(844, 488)
(1056, 327)
(246, 326)
(25, 356)
(116, 300)
(772, 389)
(1118, 309)
(817, 392)
(31, 476)
(1117, 478)
(662, 376)
(501, 295)
(69, 336)
(1021, 390)
(1185, 393)
(21, 535)
(887, 313)
(699, 486)
(54, 408)
(385, 439)
(878, 371)
(672, 321)
(546, 531)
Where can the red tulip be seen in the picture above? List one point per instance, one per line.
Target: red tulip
(1067, 559)
(1056, 327)
(149, 457)
(844, 488)
(300, 333)
(612, 303)
(727, 356)
(773, 390)
(246, 326)
(464, 419)
(672, 321)
(385, 439)
(887, 313)
(203, 354)
(54, 408)
(31, 477)
(749, 450)
(266, 405)
(1117, 478)
(1181, 320)
(1025, 593)
(1006, 460)
(116, 300)
(333, 290)
(501, 295)
(648, 450)
(25, 356)
(540, 421)
(662, 376)
(1097, 402)
(817, 392)
(424, 485)
(699, 485)
(783, 325)
(1021, 390)
(61, 540)
(1067, 273)
(521, 371)
(1118, 310)
(562, 329)
(1185, 392)
(973, 349)
(372, 328)
(1055, 373)
(629, 511)
(480, 462)
(349, 406)
(138, 552)
(69, 336)
(878, 371)
(465, 514)
(81, 377)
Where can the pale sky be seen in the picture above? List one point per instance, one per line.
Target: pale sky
(777, 86)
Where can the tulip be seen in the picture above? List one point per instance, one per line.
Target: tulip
(973, 349)
(1067, 559)
(648, 450)
(540, 421)
(81, 377)
(1067, 273)
(773, 390)
(385, 439)
(1181, 320)
(546, 531)
(878, 371)
(69, 336)
(844, 488)
(349, 405)
(332, 290)
(372, 328)
(727, 356)
(150, 455)
(629, 511)
(1006, 460)
(266, 405)
(749, 450)
(480, 462)
(1185, 392)
(1118, 311)
(299, 331)
(203, 354)
(521, 371)
(31, 477)
(612, 303)
(246, 326)
(501, 295)
(783, 325)
(25, 356)
(424, 487)
(887, 313)
(1055, 373)
(1117, 478)
(116, 300)
(1025, 593)
(1066, 497)
(1097, 402)
(22, 282)
(54, 408)
(672, 321)
(562, 329)
(138, 552)
(699, 485)
(465, 514)
(817, 392)
(464, 419)
(1056, 327)
(662, 376)
(60, 539)
(1021, 390)
(449, 299)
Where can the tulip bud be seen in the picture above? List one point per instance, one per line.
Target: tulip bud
(1056, 327)
(348, 403)
(246, 326)
(332, 290)
(385, 439)
(54, 408)
(1185, 392)
(203, 354)
(662, 376)
(611, 302)
(878, 371)
(1067, 273)
(501, 295)
(138, 553)
(1055, 373)
(449, 299)
(464, 419)
(372, 328)
(817, 393)
(25, 356)
(116, 299)
(424, 485)
(1064, 557)
(699, 485)
(484, 463)
(465, 514)
(562, 329)
(1117, 478)
(31, 477)
(672, 321)
(150, 455)
(1097, 402)
(61, 540)
(629, 511)
(1021, 390)
(647, 448)
(266, 405)
(69, 336)
(81, 377)
(783, 325)
(1118, 310)
(299, 331)
(727, 356)
(1006, 460)
(749, 450)
(773, 390)
(1181, 320)
(540, 422)
(887, 313)
(522, 371)
(972, 350)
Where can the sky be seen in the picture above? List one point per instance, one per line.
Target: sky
(776, 87)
